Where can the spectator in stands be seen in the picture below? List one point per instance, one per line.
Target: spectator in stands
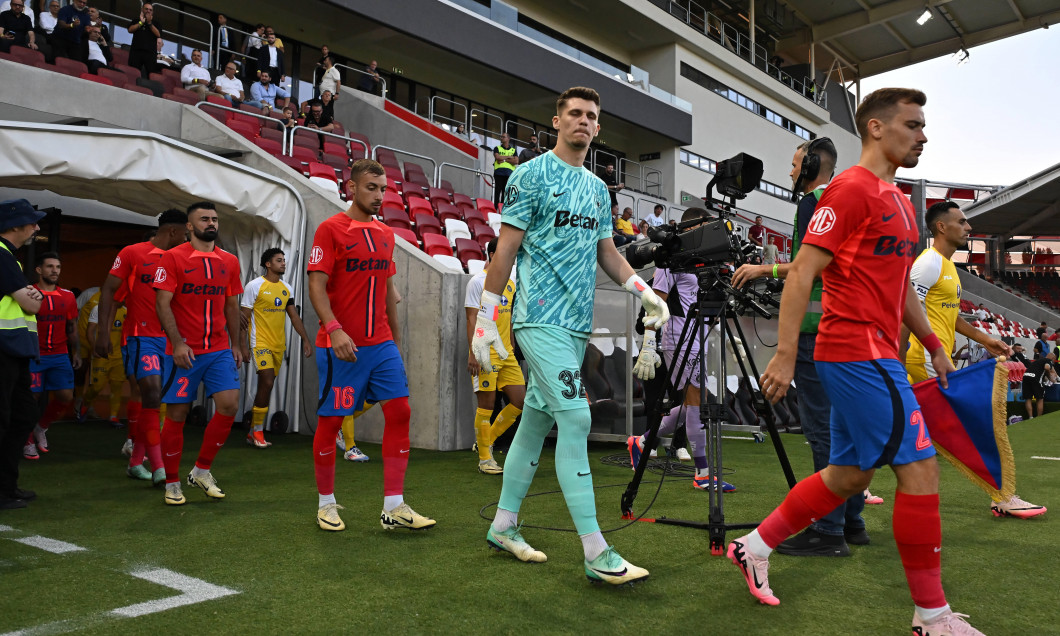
(770, 253)
(757, 233)
(194, 77)
(317, 119)
(981, 314)
(656, 217)
(16, 28)
(161, 59)
(370, 80)
(146, 46)
(268, 32)
(532, 151)
(251, 46)
(289, 121)
(69, 26)
(27, 9)
(95, 50)
(95, 20)
(642, 227)
(270, 58)
(1018, 355)
(617, 236)
(266, 94)
(229, 86)
(328, 102)
(330, 80)
(504, 161)
(318, 70)
(224, 39)
(49, 18)
(460, 131)
(610, 178)
(624, 224)
(1038, 349)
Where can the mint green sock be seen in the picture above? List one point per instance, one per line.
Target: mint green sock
(523, 457)
(572, 468)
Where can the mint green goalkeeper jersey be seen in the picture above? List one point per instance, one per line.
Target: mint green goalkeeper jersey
(564, 211)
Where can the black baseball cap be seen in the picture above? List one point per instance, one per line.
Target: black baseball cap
(18, 212)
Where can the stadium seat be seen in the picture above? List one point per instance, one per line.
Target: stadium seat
(156, 88)
(494, 221)
(247, 108)
(438, 196)
(270, 146)
(483, 234)
(303, 154)
(474, 266)
(183, 92)
(466, 250)
(448, 211)
(214, 98)
(66, 66)
(456, 229)
(414, 190)
(167, 81)
(420, 206)
(414, 173)
(395, 218)
(117, 78)
(356, 150)
(172, 74)
(323, 171)
(269, 132)
(448, 187)
(427, 224)
(406, 234)
(450, 262)
(306, 139)
(385, 154)
(119, 56)
(474, 216)
(337, 162)
(141, 90)
(463, 201)
(418, 178)
(183, 99)
(244, 117)
(393, 198)
(485, 206)
(9, 58)
(28, 56)
(393, 175)
(294, 164)
(250, 131)
(331, 147)
(436, 244)
(96, 78)
(131, 73)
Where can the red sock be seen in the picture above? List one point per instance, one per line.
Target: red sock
(918, 533)
(172, 447)
(328, 427)
(52, 412)
(147, 423)
(139, 448)
(396, 414)
(808, 501)
(132, 413)
(213, 439)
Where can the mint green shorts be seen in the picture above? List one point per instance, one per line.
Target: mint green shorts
(554, 357)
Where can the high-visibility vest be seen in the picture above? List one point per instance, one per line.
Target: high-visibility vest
(504, 152)
(18, 330)
(814, 309)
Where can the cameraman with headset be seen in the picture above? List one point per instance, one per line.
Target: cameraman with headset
(679, 291)
(811, 169)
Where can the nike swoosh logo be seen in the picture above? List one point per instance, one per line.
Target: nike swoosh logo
(323, 454)
(888, 217)
(534, 463)
(607, 573)
(220, 444)
(404, 451)
(405, 519)
(188, 271)
(173, 454)
(558, 194)
(938, 549)
(583, 474)
(757, 584)
(350, 247)
(333, 525)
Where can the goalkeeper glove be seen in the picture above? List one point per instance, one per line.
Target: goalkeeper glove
(648, 359)
(656, 313)
(486, 334)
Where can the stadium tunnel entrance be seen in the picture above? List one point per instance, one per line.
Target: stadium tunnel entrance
(119, 180)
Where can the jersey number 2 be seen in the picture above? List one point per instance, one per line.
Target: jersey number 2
(922, 439)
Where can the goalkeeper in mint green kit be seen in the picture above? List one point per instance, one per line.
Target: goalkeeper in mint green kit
(557, 219)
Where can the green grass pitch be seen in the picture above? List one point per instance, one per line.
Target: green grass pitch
(262, 540)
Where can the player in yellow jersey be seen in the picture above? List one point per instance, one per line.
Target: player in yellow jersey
(935, 280)
(86, 302)
(506, 375)
(267, 301)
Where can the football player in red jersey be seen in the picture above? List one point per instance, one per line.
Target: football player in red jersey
(352, 290)
(144, 343)
(862, 240)
(54, 371)
(198, 286)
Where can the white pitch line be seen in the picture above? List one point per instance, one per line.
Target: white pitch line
(6, 528)
(50, 545)
(1052, 459)
(193, 591)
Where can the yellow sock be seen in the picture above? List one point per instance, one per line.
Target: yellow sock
(504, 420)
(257, 418)
(347, 431)
(162, 413)
(482, 433)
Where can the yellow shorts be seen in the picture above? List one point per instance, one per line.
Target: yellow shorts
(266, 358)
(506, 373)
(107, 370)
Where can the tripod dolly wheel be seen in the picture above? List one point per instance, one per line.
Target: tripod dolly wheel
(280, 423)
(759, 438)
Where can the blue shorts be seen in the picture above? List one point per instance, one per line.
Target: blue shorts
(51, 373)
(142, 356)
(876, 420)
(217, 371)
(554, 357)
(378, 374)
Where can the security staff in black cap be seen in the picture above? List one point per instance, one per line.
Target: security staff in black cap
(19, 303)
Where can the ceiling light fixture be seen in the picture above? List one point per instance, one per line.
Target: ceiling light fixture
(924, 17)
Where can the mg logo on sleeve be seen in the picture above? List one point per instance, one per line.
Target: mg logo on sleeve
(822, 221)
(316, 255)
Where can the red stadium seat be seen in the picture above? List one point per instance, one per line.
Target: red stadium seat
(96, 78)
(485, 206)
(393, 175)
(183, 92)
(420, 206)
(463, 201)
(306, 139)
(293, 163)
(356, 149)
(331, 147)
(406, 234)
(27, 56)
(448, 211)
(414, 190)
(394, 217)
(214, 98)
(436, 244)
(270, 132)
(322, 170)
(393, 197)
(250, 131)
(427, 224)
(69, 67)
(447, 187)
(119, 56)
(141, 90)
(418, 178)
(10, 58)
(181, 99)
(131, 73)
(270, 146)
(117, 78)
(483, 234)
(467, 250)
(304, 154)
(336, 162)
(475, 217)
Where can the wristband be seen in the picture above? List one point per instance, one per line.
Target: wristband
(775, 267)
(332, 326)
(930, 342)
(488, 305)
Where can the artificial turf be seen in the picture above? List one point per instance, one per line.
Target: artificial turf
(262, 540)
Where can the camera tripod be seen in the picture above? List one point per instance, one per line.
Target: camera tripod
(716, 306)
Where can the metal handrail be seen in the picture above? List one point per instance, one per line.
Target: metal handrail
(509, 123)
(657, 184)
(375, 155)
(363, 72)
(220, 48)
(209, 28)
(289, 149)
(596, 152)
(541, 138)
(459, 121)
(623, 170)
(445, 164)
(485, 116)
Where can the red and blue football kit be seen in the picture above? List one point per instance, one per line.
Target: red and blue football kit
(869, 227)
(144, 342)
(53, 371)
